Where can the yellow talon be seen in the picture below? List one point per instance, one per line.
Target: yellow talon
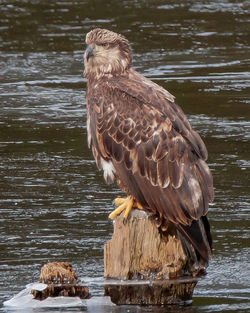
(130, 203)
(138, 205)
(117, 211)
(124, 204)
(119, 201)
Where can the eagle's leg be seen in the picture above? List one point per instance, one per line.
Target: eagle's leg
(124, 204)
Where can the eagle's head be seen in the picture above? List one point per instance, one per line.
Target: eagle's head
(107, 53)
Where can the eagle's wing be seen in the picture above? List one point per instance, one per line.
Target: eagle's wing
(135, 125)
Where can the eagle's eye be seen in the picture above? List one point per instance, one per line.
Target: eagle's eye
(105, 45)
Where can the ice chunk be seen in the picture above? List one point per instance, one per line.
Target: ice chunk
(24, 299)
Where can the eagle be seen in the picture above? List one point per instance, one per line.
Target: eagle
(141, 139)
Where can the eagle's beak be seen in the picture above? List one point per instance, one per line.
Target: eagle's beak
(89, 52)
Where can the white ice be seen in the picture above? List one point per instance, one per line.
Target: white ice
(24, 299)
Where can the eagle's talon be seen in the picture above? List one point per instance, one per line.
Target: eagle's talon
(119, 201)
(124, 204)
(138, 205)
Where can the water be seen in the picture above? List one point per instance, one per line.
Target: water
(54, 203)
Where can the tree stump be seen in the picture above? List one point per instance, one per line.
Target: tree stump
(149, 263)
(60, 279)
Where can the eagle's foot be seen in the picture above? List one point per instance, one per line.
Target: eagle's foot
(124, 204)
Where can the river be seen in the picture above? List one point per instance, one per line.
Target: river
(54, 204)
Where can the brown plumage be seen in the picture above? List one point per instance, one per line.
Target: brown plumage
(141, 138)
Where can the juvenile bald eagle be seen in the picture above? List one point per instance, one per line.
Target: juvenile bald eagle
(141, 138)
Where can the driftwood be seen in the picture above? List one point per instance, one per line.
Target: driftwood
(138, 251)
(61, 290)
(61, 280)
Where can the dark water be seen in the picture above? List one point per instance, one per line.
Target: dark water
(54, 204)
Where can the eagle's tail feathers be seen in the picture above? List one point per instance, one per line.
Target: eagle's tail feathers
(198, 233)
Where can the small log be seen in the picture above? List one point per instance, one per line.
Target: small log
(61, 291)
(61, 280)
(138, 251)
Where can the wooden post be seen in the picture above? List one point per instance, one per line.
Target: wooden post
(139, 253)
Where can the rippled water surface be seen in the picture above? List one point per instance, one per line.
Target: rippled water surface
(53, 202)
